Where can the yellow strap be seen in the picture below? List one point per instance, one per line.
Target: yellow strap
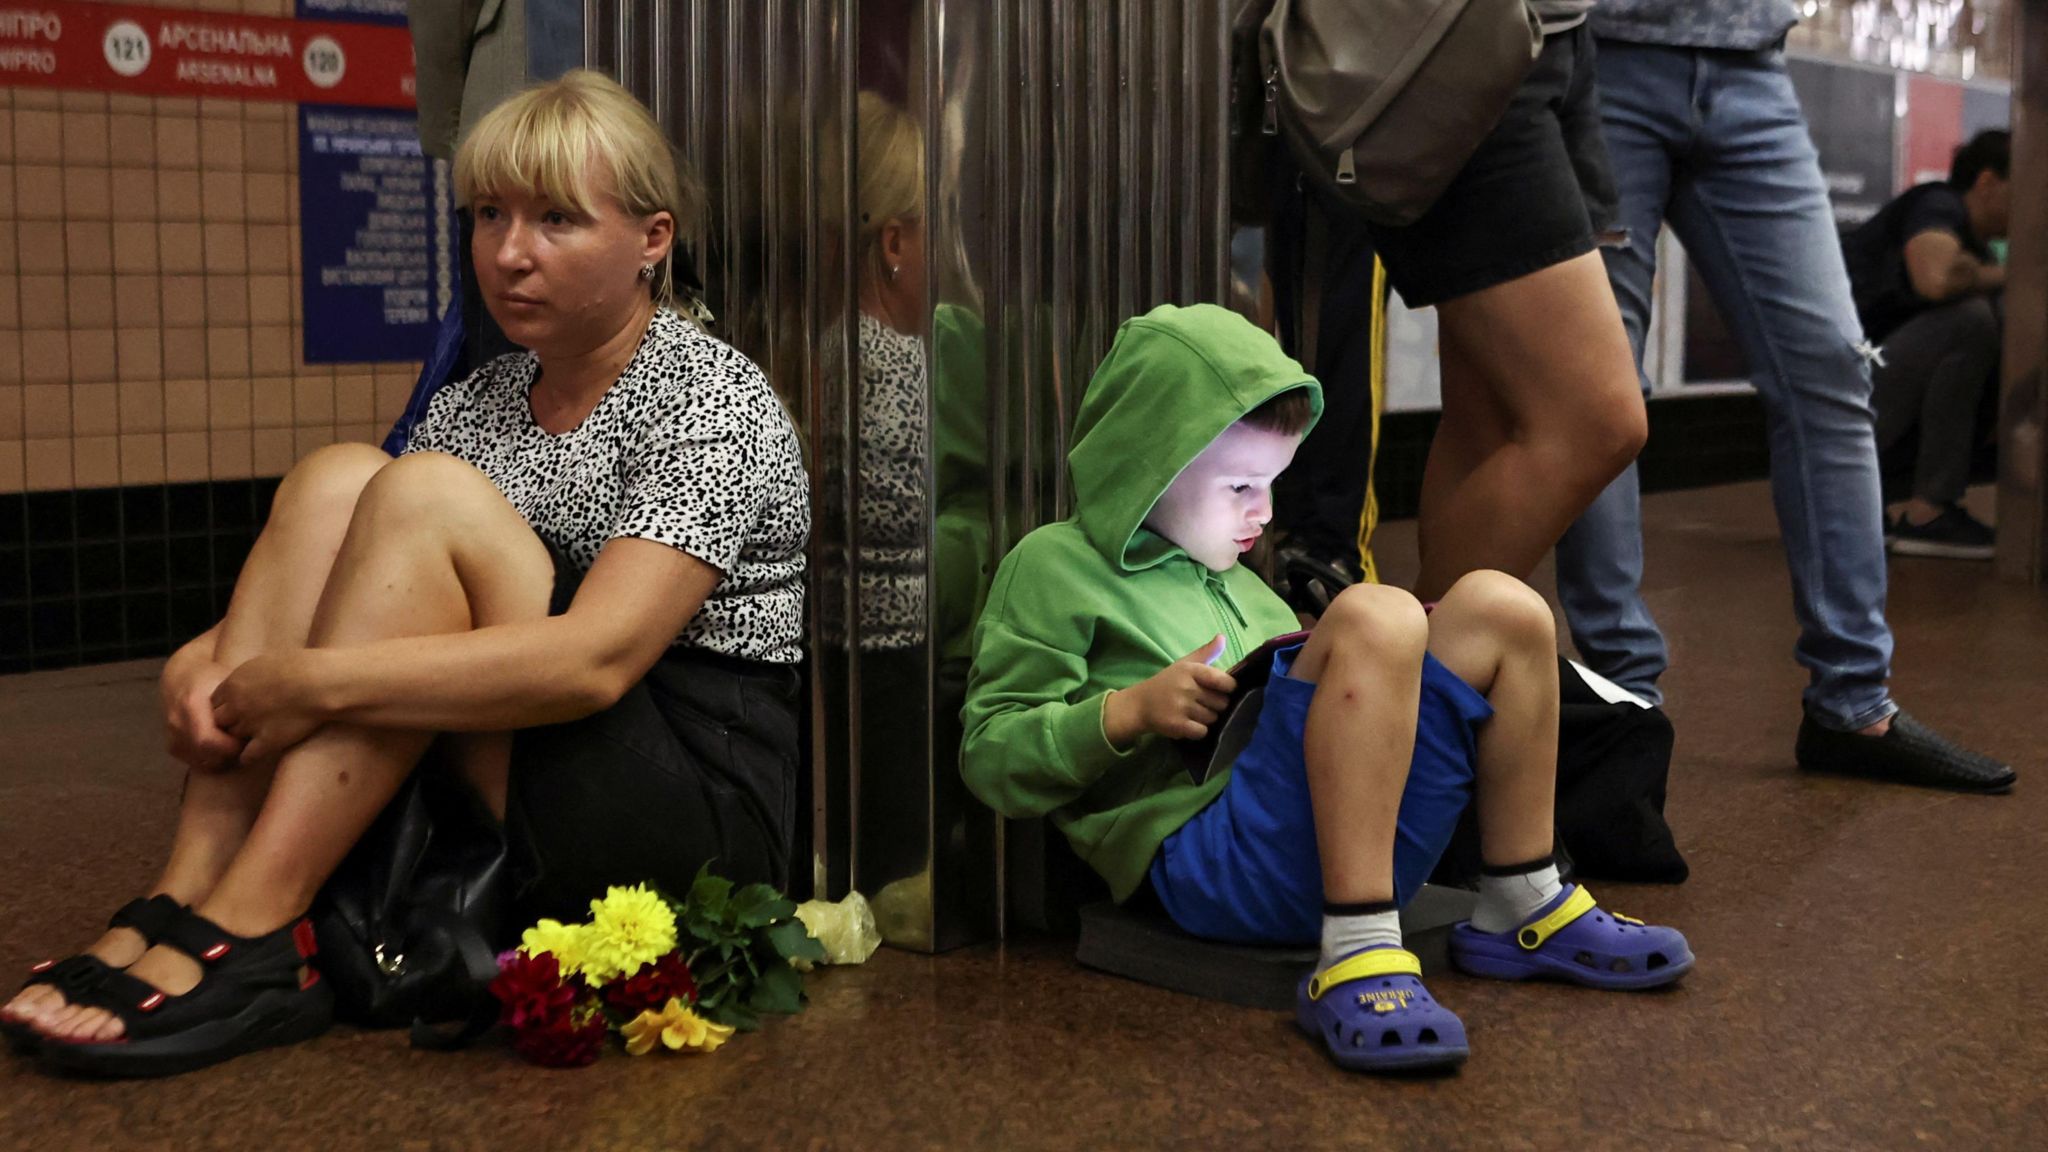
(1367, 964)
(1532, 936)
(1369, 517)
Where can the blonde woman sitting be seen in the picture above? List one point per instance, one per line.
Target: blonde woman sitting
(585, 574)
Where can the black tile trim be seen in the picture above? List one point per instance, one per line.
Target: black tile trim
(104, 574)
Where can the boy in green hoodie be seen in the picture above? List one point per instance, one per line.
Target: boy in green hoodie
(1103, 641)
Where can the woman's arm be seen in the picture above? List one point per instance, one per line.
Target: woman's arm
(630, 607)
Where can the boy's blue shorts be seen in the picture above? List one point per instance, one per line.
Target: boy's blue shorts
(1245, 868)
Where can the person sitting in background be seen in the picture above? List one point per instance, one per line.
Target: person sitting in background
(1926, 287)
(582, 583)
(1100, 646)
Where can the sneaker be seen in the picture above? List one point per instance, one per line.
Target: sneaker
(1953, 535)
(1910, 753)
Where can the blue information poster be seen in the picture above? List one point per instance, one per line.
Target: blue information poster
(357, 11)
(376, 242)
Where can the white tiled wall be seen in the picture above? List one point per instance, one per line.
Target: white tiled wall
(149, 294)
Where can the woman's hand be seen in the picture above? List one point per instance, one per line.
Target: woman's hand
(269, 704)
(1179, 703)
(190, 733)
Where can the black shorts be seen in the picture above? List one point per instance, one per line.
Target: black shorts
(697, 762)
(1538, 191)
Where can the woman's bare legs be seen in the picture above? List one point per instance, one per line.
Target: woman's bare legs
(1541, 409)
(433, 548)
(271, 610)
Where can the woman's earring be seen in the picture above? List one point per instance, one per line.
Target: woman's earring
(647, 271)
(893, 269)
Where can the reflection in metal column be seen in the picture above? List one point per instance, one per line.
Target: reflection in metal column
(753, 93)
(1072, 174)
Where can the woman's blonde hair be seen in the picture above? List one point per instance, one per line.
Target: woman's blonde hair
(891, 177)
(551, 137)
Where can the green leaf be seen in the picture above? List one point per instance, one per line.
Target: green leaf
(780, 990)
(737, 1015)
(758, 905)
(710, 893)
(792, 941)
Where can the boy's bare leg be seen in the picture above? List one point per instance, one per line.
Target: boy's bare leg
(1497, 635)
(1365, 658)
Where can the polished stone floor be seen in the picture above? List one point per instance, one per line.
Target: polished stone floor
(1871, 970)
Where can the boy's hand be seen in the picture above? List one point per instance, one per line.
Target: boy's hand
(1180, 703)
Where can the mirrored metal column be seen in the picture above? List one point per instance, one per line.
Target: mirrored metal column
(1078, 177)
(927, 219)
(755, 96)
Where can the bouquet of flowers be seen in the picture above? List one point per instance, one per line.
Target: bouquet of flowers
(663, 973)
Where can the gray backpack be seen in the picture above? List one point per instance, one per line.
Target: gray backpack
(1383, 101)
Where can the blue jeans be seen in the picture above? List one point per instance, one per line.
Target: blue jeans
(1715, 143)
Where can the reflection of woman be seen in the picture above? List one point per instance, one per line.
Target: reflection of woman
(893, 457)
(603, 535)
(893, 392)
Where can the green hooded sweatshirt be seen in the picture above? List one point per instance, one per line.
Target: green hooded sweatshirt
(1099, 602)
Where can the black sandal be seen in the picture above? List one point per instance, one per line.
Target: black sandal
(251, 996)
(74, 976)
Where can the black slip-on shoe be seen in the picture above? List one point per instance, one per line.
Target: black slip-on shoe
(1910, 753)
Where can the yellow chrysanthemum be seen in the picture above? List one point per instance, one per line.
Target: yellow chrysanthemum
(628, 928)
(565, 941)
(676, 1028)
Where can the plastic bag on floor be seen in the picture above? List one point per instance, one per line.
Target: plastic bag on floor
(845, 927)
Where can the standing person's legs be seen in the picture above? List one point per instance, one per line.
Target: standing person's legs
(1320, 499)
(1540, 411)
(1752, 210)
(1541, 408)
(1935, 368)
(1645, 115)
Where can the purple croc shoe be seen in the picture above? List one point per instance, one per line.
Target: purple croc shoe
(1374, 1015)
(1572, 938)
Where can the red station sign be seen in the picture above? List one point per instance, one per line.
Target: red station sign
(166, 52)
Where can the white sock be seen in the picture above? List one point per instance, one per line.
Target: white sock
(1346, 932)
(1506, 901)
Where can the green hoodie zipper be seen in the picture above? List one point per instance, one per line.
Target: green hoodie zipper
(1232, 618)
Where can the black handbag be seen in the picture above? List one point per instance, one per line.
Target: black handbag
(1613, 762)
(411, 923)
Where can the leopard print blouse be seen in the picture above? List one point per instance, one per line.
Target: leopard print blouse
(689, 448)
